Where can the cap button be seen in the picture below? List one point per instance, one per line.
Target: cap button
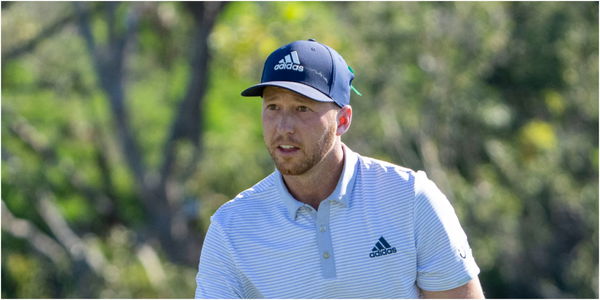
(312, 40)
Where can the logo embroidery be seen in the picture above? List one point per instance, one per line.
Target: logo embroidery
(290, 62)
(382, 247)
(464, 251)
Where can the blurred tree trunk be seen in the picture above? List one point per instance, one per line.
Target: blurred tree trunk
(109, 59)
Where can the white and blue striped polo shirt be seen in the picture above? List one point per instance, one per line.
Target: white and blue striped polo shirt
(384, 232)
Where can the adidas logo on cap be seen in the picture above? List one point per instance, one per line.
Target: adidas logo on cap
(382, 247)
(290, 62)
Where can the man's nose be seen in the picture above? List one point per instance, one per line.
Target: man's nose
(286, 124)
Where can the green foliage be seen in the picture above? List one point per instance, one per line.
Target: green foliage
(498, 102)
(26, 271)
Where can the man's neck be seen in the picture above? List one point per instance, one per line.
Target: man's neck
(319, 182)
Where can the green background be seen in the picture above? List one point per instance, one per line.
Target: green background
(123, 130)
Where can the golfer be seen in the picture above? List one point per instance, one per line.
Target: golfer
(329, 222)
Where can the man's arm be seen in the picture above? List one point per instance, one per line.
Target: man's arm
(217, 276)
(444, 257)
(471, 290)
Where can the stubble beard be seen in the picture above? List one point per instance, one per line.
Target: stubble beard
(321, 148)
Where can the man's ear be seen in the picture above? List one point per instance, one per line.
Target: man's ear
(344, 119)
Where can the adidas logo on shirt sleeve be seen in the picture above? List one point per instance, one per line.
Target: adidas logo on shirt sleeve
(290, 62)
(382, 247)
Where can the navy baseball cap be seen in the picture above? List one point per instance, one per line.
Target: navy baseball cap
(308, 68)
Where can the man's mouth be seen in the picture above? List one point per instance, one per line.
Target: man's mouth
(287, 148)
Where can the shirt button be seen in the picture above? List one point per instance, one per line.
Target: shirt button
(325, 255)
(323, 228)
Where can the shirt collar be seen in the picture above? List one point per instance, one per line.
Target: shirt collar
(341, 193)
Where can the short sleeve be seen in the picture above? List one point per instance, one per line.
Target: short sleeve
(444, 258)
(217, 276)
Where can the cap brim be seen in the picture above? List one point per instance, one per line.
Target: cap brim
(302, 89)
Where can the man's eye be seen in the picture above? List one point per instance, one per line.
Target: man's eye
(272, 107)
(303, 108)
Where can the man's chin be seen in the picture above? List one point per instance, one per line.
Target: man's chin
(291, 170)
(288, 172)
(291, 166)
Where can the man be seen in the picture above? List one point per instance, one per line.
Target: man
(328, 222)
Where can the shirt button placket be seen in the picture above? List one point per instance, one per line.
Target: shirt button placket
(324, 240)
